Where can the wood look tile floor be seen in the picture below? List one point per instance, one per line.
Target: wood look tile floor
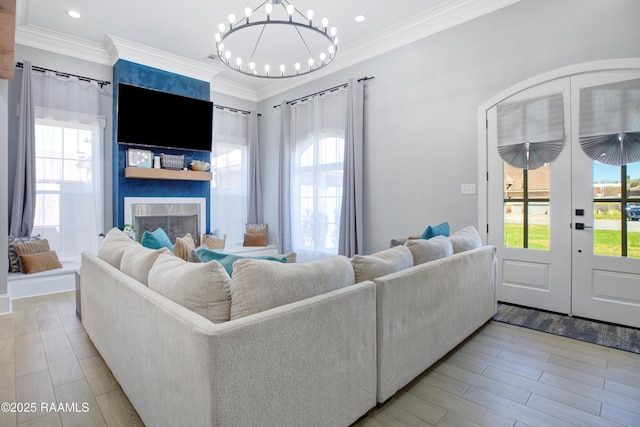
(502, 375)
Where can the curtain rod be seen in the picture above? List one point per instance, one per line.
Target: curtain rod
(234, 110)
(304, 98)
(62, 74)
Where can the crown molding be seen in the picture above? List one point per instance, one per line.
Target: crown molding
(119, 48)
(424, 24)
(63, 44)
(421, 25)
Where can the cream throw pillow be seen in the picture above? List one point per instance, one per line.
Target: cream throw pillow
(429, 250)
(138, 260)
(202, 288)
(184, 246)
(259, 285)
(369, 267)
(465, 239)
(113, 246)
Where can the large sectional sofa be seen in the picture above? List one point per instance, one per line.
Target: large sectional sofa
(278, 344)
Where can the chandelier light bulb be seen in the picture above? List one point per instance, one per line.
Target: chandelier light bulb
(333, 31)
(322, 57)
(218, 37)
(252, 66)
(267, 68)
(297, 67)
(311, 61)
(332, 50)
(336, 40)
(221, 27)
(220, 47)
(238, 61)
(232, 18)
(227, 55)
(282, 69)
(310, 14)
(268, 8)
(247, 13)
(290, 9)
(325, 23)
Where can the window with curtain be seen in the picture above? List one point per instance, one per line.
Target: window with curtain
(318, 129)
(229, 165)
(69, 178)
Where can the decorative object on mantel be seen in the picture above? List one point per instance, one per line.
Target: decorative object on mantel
(172, 161)
(199, 165)
(276, 34)
(139, 158)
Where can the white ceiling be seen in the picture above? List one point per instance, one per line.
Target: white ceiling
(178, 36)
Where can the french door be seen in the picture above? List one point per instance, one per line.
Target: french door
(566, 242)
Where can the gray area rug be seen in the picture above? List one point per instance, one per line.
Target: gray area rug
(606, 334)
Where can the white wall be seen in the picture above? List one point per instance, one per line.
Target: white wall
(421, 108)
(4, 227)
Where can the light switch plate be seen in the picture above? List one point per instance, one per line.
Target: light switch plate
(467, 189)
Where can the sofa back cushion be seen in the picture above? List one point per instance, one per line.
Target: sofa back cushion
(138, 260)
(202, 288)
(465, 239)
(369, 267)
(259, 285)
(113, 246)
(428, 250)
(184, 246)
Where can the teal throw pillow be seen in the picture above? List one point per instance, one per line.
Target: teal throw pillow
(156, 239)
(227, 260)
(436, 230)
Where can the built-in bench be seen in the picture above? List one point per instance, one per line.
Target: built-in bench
(63, 279)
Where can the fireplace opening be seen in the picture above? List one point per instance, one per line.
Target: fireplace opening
(176, 216)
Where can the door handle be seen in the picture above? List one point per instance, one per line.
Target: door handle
(581, 226)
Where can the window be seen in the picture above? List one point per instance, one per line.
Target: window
(319, 177)
(67, 202)
(616, 210)
(229, 165)
(526, 207)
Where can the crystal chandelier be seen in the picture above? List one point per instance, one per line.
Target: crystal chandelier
(275, 40)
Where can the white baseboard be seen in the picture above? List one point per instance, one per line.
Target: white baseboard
(5, 304)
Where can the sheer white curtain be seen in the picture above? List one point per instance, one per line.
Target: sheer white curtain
(229, 164)
(69, 178)
(317, 131)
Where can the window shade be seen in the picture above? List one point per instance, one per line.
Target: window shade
(610, 122)
(531, 132)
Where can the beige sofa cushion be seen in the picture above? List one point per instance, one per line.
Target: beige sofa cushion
(113, 246)
(368, 267)
(137, 261)
(428, 250)
(259, 285)
(465, 239)
(202, 288)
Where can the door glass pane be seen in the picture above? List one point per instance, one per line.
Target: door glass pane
(513, 225)
(539, 235)
(607, 229)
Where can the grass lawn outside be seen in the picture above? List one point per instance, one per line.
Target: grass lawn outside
(606, 242)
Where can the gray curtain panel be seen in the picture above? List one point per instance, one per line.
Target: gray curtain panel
(350, 240)
(287, 145)
(24, 187)
(254, 202)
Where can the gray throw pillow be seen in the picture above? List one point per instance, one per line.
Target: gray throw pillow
(369, 267)
(14, 258)
(429, 250)
(465, 239)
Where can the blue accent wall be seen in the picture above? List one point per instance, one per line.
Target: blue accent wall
(153, 78)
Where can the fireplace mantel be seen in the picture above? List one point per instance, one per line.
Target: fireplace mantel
(152, 173)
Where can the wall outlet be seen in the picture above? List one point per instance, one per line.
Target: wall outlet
(467, 189)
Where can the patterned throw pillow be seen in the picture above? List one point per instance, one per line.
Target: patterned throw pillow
(14, 258)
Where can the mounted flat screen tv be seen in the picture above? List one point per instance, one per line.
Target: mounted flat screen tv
(153, 118)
